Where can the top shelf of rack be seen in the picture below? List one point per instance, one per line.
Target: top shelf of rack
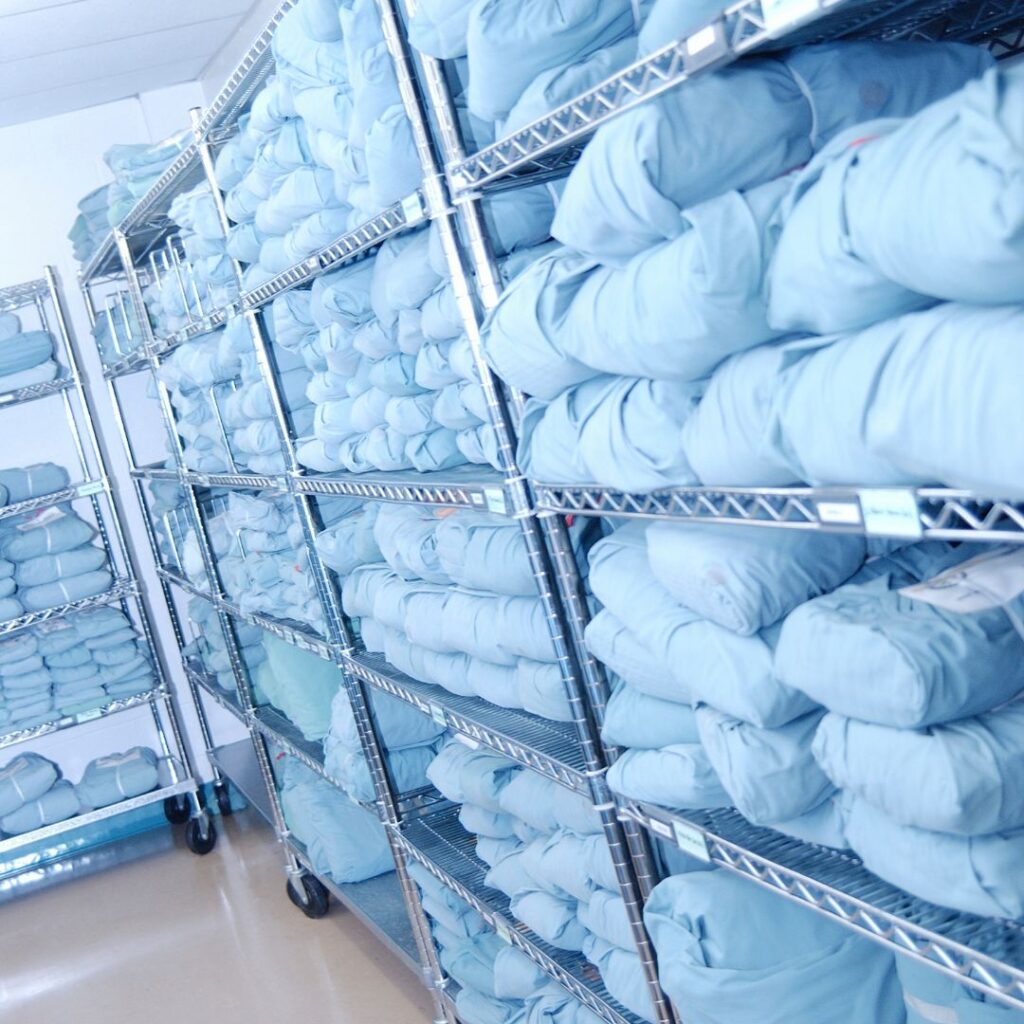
(16, 296)
(551, 144)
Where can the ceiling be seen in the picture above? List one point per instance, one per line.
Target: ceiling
(62, 55)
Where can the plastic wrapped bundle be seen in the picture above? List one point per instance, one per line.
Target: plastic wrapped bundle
(116, 777)
(845, 260)
(57, 804)
(755, 121)
(730, 950)
(24, 778)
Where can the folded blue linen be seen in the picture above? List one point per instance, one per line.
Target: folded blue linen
(955, 777)
(46, 538)
(23, 779)
(33, 481)
(10, 670)
(484, 552)
(553, 919)
(577, 866)
(392, 161)
(633, 718)
(756, 121)
(17, 648)
(883, 259)
(679, 775)
(24, 351)
(622, 974)
(748, 578)
(56, 804)
(10, 608)
(901, 653)
(301, 684)
(438, 27)
(116, 777)
(730, 950)
(51, 568)
(65, 591)
(546, 806)
(77, 655)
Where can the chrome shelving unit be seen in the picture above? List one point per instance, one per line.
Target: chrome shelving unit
(178, 789)
(420, 826)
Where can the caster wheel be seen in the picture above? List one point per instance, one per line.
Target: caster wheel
(200, 836)
(223, 797)
(309, 895)
(177, 809)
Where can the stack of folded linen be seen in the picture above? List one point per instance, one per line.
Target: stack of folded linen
(117, 331)
(409, 738)
(918, 661)
(729, 950)
(327, 144)
(115, 777)
(136, 168)
(33, 794)
(344, 842)
(54, 561)
(452, 601)
(690, 622)
(546, 851)
(91, 226)
(262, 559)
(210, 646)
(26, 687)
(681, 241)
(26, 357)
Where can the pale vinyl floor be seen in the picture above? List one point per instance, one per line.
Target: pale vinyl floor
(177, 939)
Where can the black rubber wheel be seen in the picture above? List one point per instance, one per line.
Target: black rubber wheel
(310, 896)
(223, 797)
(177, 809)
(200, 836)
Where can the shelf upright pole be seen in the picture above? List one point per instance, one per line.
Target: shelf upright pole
(547, 538)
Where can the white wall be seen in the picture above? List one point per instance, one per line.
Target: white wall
(48, 166)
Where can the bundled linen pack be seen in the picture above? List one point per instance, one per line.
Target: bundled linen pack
(451, 600)
(343, 841)
(115, 777)
(917, 660)
(689, 626)
(729, 950)
(545, 851)
(26, 357)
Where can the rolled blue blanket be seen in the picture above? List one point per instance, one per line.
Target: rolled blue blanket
(76, 674)
(622, 974)
(24, 351)
(547, 806)
(49, 538)
(118, 655)
(730, 950)
(680, 775)
(6, 568)
(10, 608)
(56, 804)
(7, 586)
(66, 591)
(19, 647)
(105, 641)
(26, 684)
(633, 718)
(26, 777)
(10, 669)
(553, 919)
(579, 866)
(116, 777)
(60, 637)
(50, 568)
(33, 481)
(484, 552)
(78, 655)
(100, 621)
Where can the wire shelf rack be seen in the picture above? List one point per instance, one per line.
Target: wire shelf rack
(984, 953)
(121, 590)
(34, 392)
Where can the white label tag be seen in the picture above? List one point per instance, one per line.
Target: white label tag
(466, 741)
(661, 829)
(988, 581)
(691, 840)
(477, 499)
(839, 513)
(437, 714)
(412, 208)
(782, 14)
(88, 716)
(41, 518)
(495, 498)
(700, 41)
(890, 513)
(95, 487)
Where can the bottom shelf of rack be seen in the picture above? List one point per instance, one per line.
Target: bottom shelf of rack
(16, 844)
(377, 902)
(237, 762)
(447, 851)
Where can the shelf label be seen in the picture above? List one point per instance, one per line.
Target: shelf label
(783, 14)
(839, 513)
(5, 398)
(890, 513)
(691, 840)
(503, 931)
(412, 208)
(437, 714)
(94, 487)
(660, 828)
(700, 41)
(495, 498)
(88, 716)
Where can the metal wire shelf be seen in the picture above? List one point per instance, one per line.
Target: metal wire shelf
(272, 724)
(217, 694)
(478, 487)
(237, 763)
(377, 903)
(15, 296)
(122, 588)
(236, 481)
(357, 243)
(80, 821)
(984, 953)
(134, 362)
(548, 748)
(551, 144)
(113, 707)
(157, 471)
(934, 512)
(446, 850)
(82, 490)
(9, 399)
